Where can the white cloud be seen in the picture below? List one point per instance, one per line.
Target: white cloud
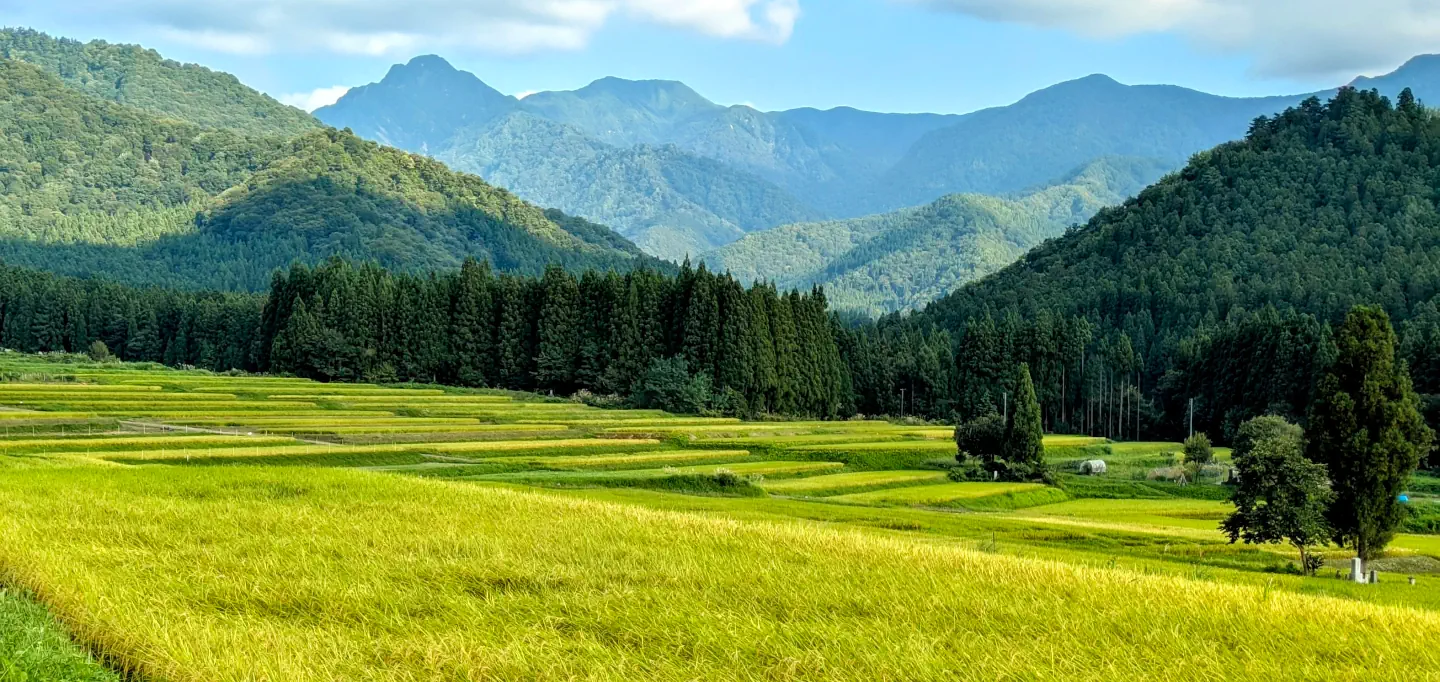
(386, 27)
(527, 93)
(1290, 38)
(320, 97)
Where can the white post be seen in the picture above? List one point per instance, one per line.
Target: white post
(1357, 570)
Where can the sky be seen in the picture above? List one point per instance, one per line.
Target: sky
(944, 56)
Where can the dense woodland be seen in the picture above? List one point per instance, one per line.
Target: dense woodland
(1219, 282)
(89, 186)
(694, 341)
(141, 78)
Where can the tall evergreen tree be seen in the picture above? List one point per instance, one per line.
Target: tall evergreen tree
(1024, 446)
(1365, 427)
(516, 356)
(559, 332)
(702, 325)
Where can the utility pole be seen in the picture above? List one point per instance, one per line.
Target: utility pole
(902, 403)
(1192, 417)
(1005, 406)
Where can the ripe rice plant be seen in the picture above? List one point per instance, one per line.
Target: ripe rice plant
(401, 398)
(643, 421)
(931, 434)
(381, 429)
(162, 573)
(1063, 441)
(107, 444)
(6, 388)
(308, 392)
(207, 406)
(291, 419)
(569, 446)
(907, 445)
(878, 455)
(785, 441)
(975, 496)
(640, 460)
(838, 484)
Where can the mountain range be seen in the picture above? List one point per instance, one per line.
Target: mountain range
(626, 153)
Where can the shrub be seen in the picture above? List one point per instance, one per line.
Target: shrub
(603, 401)
(667, 385)
(99, 352)
(979, 438)
(1198, 450)
(969, 469)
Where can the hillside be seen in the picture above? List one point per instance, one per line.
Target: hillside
(905, 259)
(787, 166)
(141, 78)
(97, 187)
(1008, 149)
(671, 203)
(599, 153)
(1209, 275)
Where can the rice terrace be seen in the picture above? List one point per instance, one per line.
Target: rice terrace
(160, 524)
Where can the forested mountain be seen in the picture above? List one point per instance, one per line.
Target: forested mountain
(670, 201)
(908, 258)
(141, 78)
(1216, 283)
(1011, 148)
(96, 187)
(616, 151)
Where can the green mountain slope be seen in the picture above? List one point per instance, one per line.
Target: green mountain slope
(141, 78)
(1321, 208)
(622, 112)
(905, 259)
(671, 203)
(837, 163)
(1002, 150)
(95, 187)
(588, 153)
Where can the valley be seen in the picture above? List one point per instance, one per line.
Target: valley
(621, 382)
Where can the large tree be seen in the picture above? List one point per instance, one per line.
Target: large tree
(1365, 427)
(1023, 449)
(1281, 495)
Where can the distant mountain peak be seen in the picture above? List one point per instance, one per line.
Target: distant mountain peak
(1425, 66)
(418, 105)
(429, 68)
(671, 93)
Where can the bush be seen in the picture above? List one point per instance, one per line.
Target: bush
(969, 469)
(667, 385)
(603, 401)
(1198, 450)
(99, 352)
(980, 438)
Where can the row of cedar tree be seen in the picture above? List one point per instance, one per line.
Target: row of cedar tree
(690, 341)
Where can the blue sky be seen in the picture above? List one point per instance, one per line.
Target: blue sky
(887, 55)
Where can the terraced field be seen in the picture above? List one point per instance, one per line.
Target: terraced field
(185, 526)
